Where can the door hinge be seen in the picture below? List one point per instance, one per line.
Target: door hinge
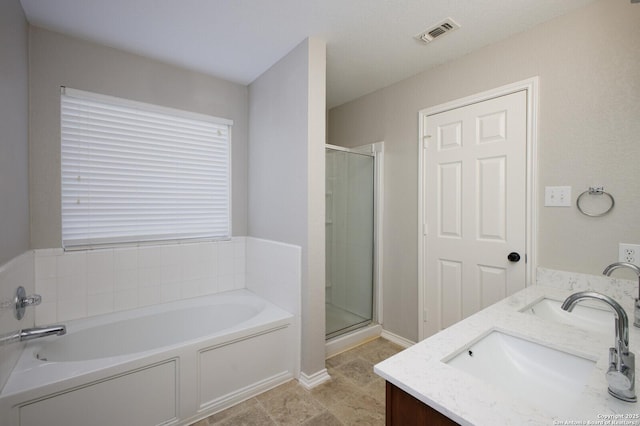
(425, 141)
(425, 315)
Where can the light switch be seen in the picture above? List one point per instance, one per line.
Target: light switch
(557, 196)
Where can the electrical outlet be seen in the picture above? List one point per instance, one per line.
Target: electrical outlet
(629, 253)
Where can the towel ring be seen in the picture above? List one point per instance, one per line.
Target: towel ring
(598, 190)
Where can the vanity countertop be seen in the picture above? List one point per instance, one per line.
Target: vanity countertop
(419, 370)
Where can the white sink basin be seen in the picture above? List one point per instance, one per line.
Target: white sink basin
(547, 378)
(584, 316)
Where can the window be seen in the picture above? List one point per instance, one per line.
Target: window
(134, 172)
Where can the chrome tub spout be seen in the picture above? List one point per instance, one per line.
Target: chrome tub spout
(37, 332)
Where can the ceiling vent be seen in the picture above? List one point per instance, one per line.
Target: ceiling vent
(438, 30)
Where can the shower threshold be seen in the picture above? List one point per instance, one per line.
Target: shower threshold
(340, 321)
(346, 330)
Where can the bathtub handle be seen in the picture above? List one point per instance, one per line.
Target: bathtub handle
(22, 301)
(33, 300)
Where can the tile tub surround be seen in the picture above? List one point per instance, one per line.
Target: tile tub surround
(273, 271)
(82, 284)
(419, 370)
(79, 284)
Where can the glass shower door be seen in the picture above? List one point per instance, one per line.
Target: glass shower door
(349, 241)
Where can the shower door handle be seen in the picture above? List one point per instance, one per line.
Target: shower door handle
(513, 257)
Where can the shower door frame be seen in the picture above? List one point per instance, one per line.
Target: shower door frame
(375, 150)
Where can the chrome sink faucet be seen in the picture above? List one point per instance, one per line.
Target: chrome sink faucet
(622, 368)
(636, 306)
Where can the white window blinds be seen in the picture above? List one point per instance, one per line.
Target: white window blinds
(134, 172)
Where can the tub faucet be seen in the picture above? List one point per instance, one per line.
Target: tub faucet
(636, 306)
(22, 301)
(621, 373)
(37, 332)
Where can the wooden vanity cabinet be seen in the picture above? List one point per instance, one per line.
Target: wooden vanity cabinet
(403, 409)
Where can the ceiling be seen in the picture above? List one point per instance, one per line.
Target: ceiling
(370, 43)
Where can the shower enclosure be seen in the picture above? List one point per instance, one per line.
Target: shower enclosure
(349, 240)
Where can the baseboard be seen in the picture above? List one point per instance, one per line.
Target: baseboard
(351, 340)
(236, 397)
(398, 340)
(310, 382)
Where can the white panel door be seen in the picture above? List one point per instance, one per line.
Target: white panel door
(474, 205)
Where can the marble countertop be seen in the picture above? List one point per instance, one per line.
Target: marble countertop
(419, 370)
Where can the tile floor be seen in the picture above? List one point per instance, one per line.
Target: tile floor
(353, 396)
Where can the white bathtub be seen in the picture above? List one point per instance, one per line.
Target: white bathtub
(168, 364)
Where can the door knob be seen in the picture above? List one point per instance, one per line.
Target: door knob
(513, 257)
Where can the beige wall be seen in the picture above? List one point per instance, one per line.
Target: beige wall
(14, 134)
(588, 133)
(16, 263)
(286, 175)
(58, 60)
